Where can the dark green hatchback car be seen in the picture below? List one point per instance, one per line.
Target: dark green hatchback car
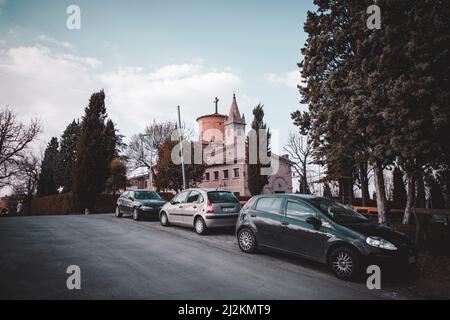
(140, 204)
(321, 229)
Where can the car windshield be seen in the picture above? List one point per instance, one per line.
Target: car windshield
(146, 195)
(221, 197)
(337, 211)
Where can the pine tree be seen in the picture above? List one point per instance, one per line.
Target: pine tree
(68, 155)
(95, 151)
(47, 184)
(256, 178)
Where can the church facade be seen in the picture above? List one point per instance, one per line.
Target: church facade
(230, 132)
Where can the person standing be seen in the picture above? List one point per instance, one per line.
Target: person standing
(19, 208)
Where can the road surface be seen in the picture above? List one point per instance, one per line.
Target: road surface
(124, 259)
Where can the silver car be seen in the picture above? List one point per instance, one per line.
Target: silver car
(201, 209)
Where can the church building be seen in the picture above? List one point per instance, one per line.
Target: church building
(228, 130)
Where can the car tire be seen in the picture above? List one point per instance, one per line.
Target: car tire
(345, 263)
(164, 220)
(136, 215)
(200, 226)
(118, 214)
(247, 240)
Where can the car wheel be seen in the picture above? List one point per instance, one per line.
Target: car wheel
(200, 226)
(118, 214)
(247, 240)
(345, 263)
(136, 215)
(164, 220)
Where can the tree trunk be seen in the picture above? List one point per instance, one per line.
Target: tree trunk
(305, 179)
(363, 179)
(420, 199)
(350, 192)
(409, 198)
(381, 193)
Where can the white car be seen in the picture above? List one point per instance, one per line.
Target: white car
(201, 209)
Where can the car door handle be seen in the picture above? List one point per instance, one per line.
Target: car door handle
(194, 207)
(284, 223)
(253, 215)
(180, 207)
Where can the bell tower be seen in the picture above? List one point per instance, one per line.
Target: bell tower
(234, 125)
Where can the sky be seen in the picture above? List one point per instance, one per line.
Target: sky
(149, 57)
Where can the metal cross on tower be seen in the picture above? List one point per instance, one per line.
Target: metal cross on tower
(216, 101)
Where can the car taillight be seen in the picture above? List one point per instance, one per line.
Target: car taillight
(209, 208)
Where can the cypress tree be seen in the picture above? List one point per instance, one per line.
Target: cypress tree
(68, 155)
(95, 151)
(256, 180)
(47, 184)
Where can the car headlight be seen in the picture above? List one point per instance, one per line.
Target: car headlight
(380, 243)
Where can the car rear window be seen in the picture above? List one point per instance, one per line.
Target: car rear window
(221, 197)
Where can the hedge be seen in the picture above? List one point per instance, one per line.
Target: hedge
(64, 204)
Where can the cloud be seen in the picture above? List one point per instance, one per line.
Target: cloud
(47, 39)
(289, 79)
(36, 82)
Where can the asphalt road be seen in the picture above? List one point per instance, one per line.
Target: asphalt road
(124, 259)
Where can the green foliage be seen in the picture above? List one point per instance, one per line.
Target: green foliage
(377, 95)
(47, 184)
(95, 151)
(68, 155)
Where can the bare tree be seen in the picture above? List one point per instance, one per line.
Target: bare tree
(15, 138)
(300, 150)
(143, 148)
(27, 175)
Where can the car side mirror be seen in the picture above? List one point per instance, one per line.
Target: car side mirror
(317, 223)
(174, 202)
(131, 198)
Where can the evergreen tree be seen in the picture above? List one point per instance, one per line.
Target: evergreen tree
(398, 189)
(256, 178)
(95, 151)
(47, 178)
(68, 155)
(378, 95)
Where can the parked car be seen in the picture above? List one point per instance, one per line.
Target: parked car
(323, 230)
(140, 204)
(201, 209)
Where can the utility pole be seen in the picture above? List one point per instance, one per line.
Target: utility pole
(150, 172)
(181, 148)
